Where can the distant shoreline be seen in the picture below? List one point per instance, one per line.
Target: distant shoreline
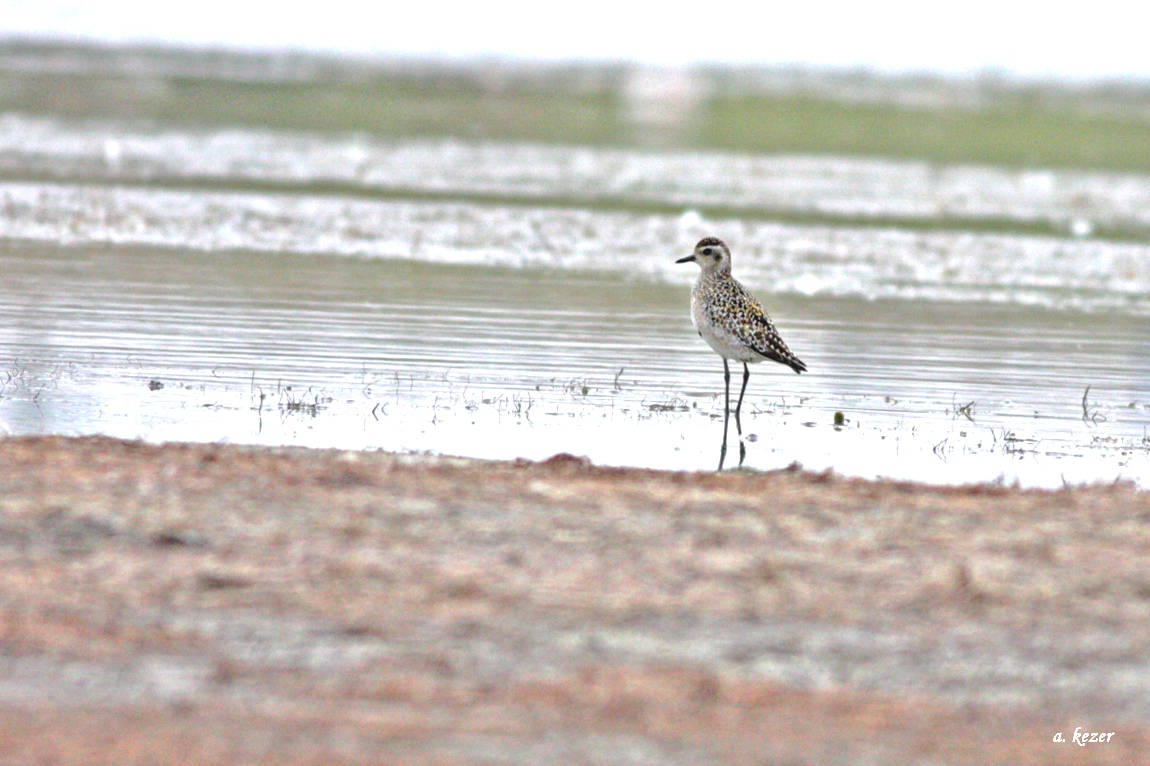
(984, 119)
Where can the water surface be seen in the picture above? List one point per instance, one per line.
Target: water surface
(527, 361)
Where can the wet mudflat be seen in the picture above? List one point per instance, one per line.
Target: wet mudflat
(353, 607)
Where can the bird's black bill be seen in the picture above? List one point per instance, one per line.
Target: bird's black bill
(690, 257)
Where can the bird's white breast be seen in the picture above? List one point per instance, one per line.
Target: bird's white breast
(724, 342)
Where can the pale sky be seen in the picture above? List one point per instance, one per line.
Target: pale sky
(1103, 38)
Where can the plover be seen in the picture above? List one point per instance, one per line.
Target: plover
(734, 324)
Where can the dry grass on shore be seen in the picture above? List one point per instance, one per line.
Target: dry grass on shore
(220, 604)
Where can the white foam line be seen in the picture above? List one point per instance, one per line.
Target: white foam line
(779, 258)
(822, 185)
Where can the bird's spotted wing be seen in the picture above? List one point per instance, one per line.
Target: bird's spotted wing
(765, 340)
(757, 331)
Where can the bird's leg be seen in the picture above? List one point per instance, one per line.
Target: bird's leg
(739, 406)
(738, 411)
(726, 411)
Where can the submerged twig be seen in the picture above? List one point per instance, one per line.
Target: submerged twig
(966, 411)
(1090, 417)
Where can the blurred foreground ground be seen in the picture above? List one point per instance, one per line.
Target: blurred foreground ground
(210, 604)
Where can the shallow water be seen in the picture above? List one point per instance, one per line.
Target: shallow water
(171, 343)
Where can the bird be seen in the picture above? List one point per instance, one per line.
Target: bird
(734, 325)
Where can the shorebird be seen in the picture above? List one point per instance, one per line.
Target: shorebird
(734, 324)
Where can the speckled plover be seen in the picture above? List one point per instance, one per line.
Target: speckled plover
(734, 324)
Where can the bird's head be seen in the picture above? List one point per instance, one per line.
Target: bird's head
(711, 255)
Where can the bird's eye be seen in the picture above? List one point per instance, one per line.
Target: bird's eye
(707, 251)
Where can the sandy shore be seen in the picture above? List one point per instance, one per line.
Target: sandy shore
(207, 604)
